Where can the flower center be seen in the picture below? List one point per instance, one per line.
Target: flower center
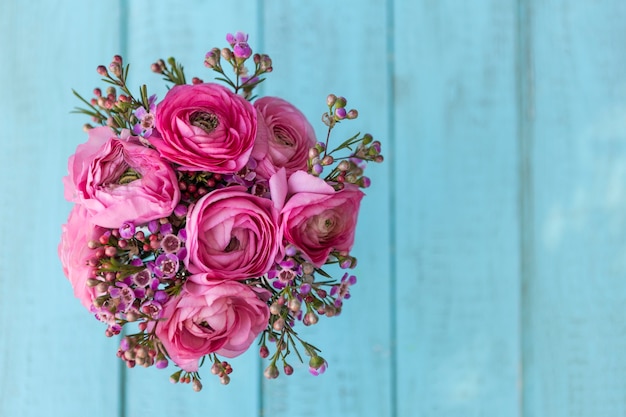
(283, 138)
(128, 176)
(205, 121)
(232, 245)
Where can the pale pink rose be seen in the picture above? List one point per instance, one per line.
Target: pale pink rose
(232, 234)
(284, 137)
(205, 127)
(316, 219)
(74, 253)
(118, 180)
(215, 317)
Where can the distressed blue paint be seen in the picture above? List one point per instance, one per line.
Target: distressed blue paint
(54, 358)
(456, 214)
(496, 286)
(575, 327)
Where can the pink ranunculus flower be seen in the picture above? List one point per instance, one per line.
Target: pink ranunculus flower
(231, 234)
(284, 137)
(118, 180)
(74, 252)
(316, 219)
(214, 317)
(205, 127)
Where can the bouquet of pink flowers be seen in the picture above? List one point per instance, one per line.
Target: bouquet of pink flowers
(203, 221)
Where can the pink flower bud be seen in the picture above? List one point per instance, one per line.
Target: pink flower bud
(196, 385)
(264, 352)
(271, 372)
(227, 54)
(279, 324)
(340, 113)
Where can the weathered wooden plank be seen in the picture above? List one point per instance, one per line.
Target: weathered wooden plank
(187, 31)
(456, 206)
(54, 358)
(574, 327)
(319, 48)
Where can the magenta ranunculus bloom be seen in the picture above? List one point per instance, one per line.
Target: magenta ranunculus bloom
(117, 180)
(232, 234)
(316, 219)
(74, 253)
(205, 127)
(215, 317)
(284, 137)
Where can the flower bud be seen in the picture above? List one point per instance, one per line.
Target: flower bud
(313, 153)
(264, 352)
(288, 369)
(92, 282)
(341, 102)
(331, 100)
(279, 324)
(155, 67)
(196, 385)
(294, 305)
(340, 113)
(227, 54)
(271, 372)
(310, 319)
(115, 68)
(343, 166)
(328, 160)
(317, 365)
(317, 169)
(266, 63)
(275, 309)
(102, 70)
(352, 114)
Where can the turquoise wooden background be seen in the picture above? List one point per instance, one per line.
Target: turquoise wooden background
(492, 243)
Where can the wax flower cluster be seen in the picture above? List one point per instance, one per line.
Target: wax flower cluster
(202, 222)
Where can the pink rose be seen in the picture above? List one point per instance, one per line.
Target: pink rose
(216, 317)
(118, 180)
(232, 234)
(284, 137)
(205, 127)
(74, 253)
(316, 219)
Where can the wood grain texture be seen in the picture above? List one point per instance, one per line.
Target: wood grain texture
(319, 48)
(54, 358)
(575, 332)
(456, 213)
(187, 31)
(491, 243)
